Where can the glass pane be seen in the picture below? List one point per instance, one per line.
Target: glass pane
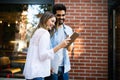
(17, 22)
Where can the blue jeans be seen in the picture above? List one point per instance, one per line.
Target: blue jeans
(38, 78)
(64, 76)
(61, 75)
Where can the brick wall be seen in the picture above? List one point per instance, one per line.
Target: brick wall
(90, 19)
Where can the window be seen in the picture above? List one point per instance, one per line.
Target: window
(18, 18)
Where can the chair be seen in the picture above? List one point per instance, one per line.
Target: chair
(6, 68)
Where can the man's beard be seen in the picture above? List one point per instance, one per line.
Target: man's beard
(60, 21)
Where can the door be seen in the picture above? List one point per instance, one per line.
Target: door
(117, 42)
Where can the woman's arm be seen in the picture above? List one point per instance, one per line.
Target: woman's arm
(63, 44)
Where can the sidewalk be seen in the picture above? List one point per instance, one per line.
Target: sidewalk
(10, 79)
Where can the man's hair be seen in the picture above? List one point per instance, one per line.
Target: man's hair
(58, 7)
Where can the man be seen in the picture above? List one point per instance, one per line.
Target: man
(61, 63)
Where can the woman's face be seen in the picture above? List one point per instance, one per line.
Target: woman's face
(50, 23)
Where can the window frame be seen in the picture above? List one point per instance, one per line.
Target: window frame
(27, 2)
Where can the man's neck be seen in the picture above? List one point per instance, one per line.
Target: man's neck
(60, 26)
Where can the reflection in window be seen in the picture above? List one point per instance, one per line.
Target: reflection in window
(25, 20)
(29, 21)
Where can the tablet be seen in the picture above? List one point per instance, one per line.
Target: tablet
(72, 37)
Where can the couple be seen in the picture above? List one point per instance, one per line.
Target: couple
(47, 53)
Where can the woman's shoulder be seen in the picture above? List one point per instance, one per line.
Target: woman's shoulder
(39, 33)
(42, 30)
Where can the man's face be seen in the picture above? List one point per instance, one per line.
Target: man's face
(60, 15)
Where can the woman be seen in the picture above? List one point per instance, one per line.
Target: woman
(39, 54)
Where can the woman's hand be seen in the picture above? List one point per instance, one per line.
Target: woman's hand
(63, 44)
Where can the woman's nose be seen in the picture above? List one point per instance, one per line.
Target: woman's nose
(53, 24)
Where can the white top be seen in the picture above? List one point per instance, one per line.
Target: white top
(39, 55)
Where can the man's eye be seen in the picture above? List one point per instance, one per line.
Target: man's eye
(61, 15)
(58, 15)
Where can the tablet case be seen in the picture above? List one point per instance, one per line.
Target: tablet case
(72, 37)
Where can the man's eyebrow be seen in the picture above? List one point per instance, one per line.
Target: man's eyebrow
(60, 14)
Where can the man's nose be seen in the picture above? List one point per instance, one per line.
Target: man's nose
(61, 16)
